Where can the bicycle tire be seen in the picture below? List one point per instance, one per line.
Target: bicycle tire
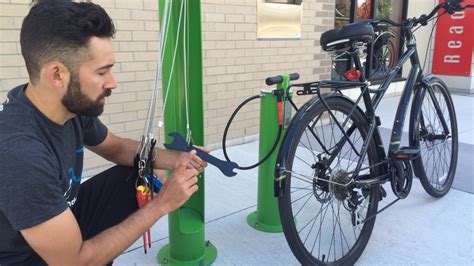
(383, 59)
(436, 164)
(293, 222)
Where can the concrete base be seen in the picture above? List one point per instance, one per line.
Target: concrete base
(459, 84)
(252, 220)
(209, 256)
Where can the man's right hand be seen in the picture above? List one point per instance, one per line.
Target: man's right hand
(180, 185)
(68, 247)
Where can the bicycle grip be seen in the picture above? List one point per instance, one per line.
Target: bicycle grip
(279, 79)
(294, 76)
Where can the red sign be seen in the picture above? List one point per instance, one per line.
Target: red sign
(454, 42)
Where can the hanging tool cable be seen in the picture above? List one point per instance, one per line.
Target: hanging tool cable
(179, 143)
(175, 50)
(185, 144)
(147, 183)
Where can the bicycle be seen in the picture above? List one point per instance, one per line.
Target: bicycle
(332, 163)
(382, 56)
(383, 53)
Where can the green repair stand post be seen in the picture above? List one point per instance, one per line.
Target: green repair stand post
(267, 216)
(187, 244)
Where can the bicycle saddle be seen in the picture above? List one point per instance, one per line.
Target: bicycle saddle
(337, 39)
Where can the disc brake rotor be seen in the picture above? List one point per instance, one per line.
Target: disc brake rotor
(320, 188)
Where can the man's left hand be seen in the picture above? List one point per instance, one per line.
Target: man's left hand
(196, 162)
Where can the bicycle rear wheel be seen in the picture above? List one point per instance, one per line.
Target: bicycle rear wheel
(323, 220)
(436, 165)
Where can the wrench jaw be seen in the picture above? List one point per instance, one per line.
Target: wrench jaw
(180, 144)
(228, 171)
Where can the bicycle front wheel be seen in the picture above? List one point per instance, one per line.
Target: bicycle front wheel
(435, 131)
(323, 217)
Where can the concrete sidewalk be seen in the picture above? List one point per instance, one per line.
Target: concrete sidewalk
(419, 230)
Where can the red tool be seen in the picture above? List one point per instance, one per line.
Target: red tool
(143, 196)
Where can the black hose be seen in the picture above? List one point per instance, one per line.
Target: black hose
(224, 137)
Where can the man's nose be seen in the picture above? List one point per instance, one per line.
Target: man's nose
(111, 82)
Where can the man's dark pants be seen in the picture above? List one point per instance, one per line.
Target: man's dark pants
(105, 200)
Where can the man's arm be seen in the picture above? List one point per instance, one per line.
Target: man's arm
(122, 151)
(58, 240)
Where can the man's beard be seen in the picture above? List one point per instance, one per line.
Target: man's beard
(78, 103)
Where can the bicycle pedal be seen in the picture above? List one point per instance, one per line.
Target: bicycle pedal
(382, 193)
(406, 153)
(377, 121)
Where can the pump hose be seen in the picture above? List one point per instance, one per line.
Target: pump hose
(224, 137)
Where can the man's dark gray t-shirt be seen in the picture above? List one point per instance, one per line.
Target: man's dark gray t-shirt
(40, 169)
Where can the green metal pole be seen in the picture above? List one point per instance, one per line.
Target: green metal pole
(267, 216)
(187, 244)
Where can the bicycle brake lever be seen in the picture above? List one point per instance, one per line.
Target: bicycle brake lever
(180, 144)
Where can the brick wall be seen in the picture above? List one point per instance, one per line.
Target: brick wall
(235, 62)
(136, 46)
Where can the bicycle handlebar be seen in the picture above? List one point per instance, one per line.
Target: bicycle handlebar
(451, 6)
(278, 79)
(376, 21)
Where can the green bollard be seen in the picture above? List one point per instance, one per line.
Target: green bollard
(267, 216)
(187, 244)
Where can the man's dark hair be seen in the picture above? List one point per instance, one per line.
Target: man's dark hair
(60, 30)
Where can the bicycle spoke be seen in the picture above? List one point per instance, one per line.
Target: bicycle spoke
(323, 159)
(298, 199)
(303, 161)
(437, 140)
(312, 220)
(319, 235)
(341, 232)
(300, 188)
(304, 204)
(333, 156)
(437, 157)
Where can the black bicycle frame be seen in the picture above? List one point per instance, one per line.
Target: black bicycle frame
(371, 104)
(414, 77)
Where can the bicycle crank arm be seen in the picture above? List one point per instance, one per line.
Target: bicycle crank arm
(180, 144)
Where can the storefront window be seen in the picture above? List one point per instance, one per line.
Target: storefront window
(385, 49)
(343, 13)
(364, 9)
(384, 8)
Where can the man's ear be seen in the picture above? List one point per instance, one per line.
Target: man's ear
(56, 74)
